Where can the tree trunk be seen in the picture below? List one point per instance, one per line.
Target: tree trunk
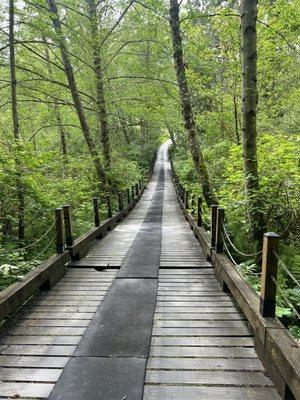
(100, 102)
(236, 119)
(190, 125)
(62, 133)
(60, 128)
(75, 94)
(249, 109)
(123, 126)
(16, 126)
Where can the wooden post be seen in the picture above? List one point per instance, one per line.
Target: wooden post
(128, 195)
(96, 211)
(183, 194)
(132, 192)
(120, 201)
(220, 230)
(213, 223)
(269, 269)
(199, 212)
(59, 229)
(109, 210)
(186, 200)
(136, 189)
(68, 225)
(192, 204)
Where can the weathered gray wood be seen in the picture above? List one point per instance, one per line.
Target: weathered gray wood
(205, 352)
(208, 378)
(35, 362)
(159, 392)
(40, 340)
(41, 350)
(28, 390)
(30, 374)
(217, 364)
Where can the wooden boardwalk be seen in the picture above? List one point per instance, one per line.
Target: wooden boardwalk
(201, 344)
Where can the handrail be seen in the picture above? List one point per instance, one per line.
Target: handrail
(49, 272)
(276, 347)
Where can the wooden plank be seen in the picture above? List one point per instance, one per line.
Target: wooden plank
(40, 340)
(21, 389)
(202, 341)
(195, 309)
(208, 331)
(235, 315)
(30, 374)
(196, 303)
(35, 362)
(159, 392)
(54, 322)
(205, 351)
(41, 350)
(199, 324)
(40, 330)
(218, 364)
(58, 315)
(208, 378)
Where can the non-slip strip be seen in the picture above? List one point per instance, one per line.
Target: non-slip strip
(143, 257)
(110, 360)
(93, 378)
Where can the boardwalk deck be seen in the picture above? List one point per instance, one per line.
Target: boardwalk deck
(100, 334)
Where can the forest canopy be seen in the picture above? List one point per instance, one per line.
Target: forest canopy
(89, 89)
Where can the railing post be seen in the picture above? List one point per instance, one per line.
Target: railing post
(132, 192)
(96, 211)
(59, 229)
(269, 272)
(68, 225)
(109, 210)
(128, 196)
(213, 223)
(192, 204)
(219, 230)
(199, 212)
(120, 201)
(183, 194)
(186, 200)
(136, 189)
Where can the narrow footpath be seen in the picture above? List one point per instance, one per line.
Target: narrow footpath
(154, 325)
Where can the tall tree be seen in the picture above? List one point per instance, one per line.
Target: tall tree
(15, 119)
(249, 112)
(100, 98)
(75, 93)
(189, 120)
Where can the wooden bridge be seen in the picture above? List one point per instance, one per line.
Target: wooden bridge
(143, 312)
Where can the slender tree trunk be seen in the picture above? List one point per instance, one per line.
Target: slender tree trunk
(16, 126)
(75, 93)
(190, 125)
(123, 126)
(249, 110)
(60, 128)
(101, 105)
(172, 136)
(236, 121)
(62, 133)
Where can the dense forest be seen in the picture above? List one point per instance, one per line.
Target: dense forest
(89, 89)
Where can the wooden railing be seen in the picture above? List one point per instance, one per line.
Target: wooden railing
(275, 346)
(47, 274)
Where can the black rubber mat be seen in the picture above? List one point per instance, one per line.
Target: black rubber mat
(93, 378)
(143, 257)
(122, 327)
